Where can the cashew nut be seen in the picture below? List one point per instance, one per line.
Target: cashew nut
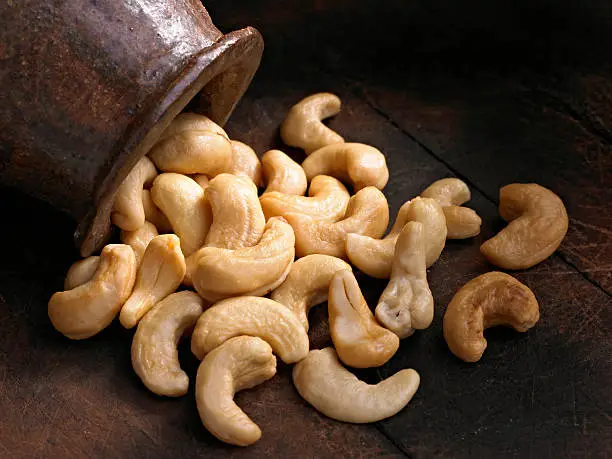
(201, 179)
(538, 223)
(89, 308)
(253, 316)
(334, 391)
(307, 284)
(128, 212)
(185, 122)
(245, 162)
(161, 272)
(238, 220)
(303, 128)
(153, 214)
(488, 300)
(182, 200)
(407, 304)
(221, 273)
(81, 271)
(355, 163)
(139, 240)
(367, 213)
(239, 363)
(359, 340)
(327, 200)
(154, 353)
(283, 174)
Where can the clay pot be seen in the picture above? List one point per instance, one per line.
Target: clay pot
(88, 86)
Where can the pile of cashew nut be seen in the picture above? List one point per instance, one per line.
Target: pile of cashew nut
(205, 254)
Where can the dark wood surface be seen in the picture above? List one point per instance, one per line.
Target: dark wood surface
(493, 94)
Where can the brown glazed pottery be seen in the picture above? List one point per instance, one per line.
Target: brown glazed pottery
(87, 86)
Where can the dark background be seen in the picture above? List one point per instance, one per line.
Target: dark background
(491, 92)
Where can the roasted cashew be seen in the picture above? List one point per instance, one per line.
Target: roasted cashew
(303, 128)
(221, 273)
(355, 163)
(359, 340)
(81, 271)
(128, 212)
(307, 284)
(283, 174)
(161, 272)
(238, 220)
(407, 304)
(488, 300)
(239, 363)
(367, 213)
(327, 200)
(245, 162)
(334, 391)
(252, 316)
(201, 179)
(185, 122)
(89, 308)
(183, 202)
(538, 223)
(154, 353)
(139, 240)
(154, 215)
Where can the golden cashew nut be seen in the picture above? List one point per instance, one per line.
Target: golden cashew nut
(538, 223)
(154, 215)
(201, 179)
(331, 389)
(355, 163)
(239, 363)
(302, 128)
(185, 122)
(407, 304)
(359, 340)
(245, 162)
(89, 308)
(81, 271)
(160, 273)
(252, 316)
(367, 213)
(154, 353)
(283, 174)
(488, 300)
(128, 212)
(307, 284)
(139, 240)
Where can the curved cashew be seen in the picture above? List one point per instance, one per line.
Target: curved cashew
(253, 316)
(89, 308)
(238, 220)
(239, 363)
(334, 391)
(538, 223)
(221, 273)
(245, 162)
(139, 240)
(407, 304)
(355, 163)
(128, 212)
(153, 214)
(360, 341)
(367, 213)
(154, 353)
(201, 179)
(283, 174)
(327, 200)
(488, 300)
(81, 271)
(185, 122)
(307, 284)
(182, 200)
(161, 272)
(303, 128)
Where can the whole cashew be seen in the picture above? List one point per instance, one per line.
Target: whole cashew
(161, 272)
(488, 300)
(239, 363)
(303, 128)
(367, 213)
(360, 341)
(139, 240)
(245, 162)
(307, 284)
(201, 179)
(154, 353)
(538, 223)
(221, 273)
(89, 308)
(154, 215)
(253, 316)
(238, 220)
(355, 163)
(81, 271)
(337, 393)
(185, 122)
(327, 200)
(283, 174)
(407, 304)
(182, 200)
(128, 212)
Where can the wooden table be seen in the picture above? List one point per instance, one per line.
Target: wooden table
(490, 93)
